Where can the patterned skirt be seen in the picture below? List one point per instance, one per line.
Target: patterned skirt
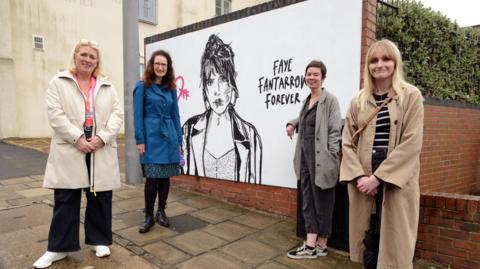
(153, 170)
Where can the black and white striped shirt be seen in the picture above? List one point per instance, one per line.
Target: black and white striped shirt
(382, 129)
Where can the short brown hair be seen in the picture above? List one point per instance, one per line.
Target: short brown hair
(318, 64)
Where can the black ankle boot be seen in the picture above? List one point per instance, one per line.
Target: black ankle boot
(161, 218)
(147, 224)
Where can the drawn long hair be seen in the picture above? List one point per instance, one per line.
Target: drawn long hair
(218, 59)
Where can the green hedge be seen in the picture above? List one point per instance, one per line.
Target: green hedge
(441, 59)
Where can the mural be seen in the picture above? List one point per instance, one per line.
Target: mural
(218, 142)
(239, 82)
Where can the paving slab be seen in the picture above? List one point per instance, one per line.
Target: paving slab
(17, 180)
(280, 235)
(256, 220)
(211, 261)
(178, 194)
(195, 242)
(215, 214)
(251, 251)
(166, 253)
(24, 217)
(201, 202)
(273, 265)
(177, 208)
(18, 162)
(8, 194)
(34, 192)
(118, 225)
(156, 233)
(131, 218)
(35, 184)
(129, 193)
(229, 231)
(28, 201)
(131, 204)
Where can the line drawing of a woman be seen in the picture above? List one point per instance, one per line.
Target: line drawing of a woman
(219, 143)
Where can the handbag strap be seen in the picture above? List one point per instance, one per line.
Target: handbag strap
(374, 113)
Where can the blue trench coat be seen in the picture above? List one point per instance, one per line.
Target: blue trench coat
(157, 123)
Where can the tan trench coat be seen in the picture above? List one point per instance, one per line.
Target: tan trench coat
(66, 167)
(327, 132)
(400, 172)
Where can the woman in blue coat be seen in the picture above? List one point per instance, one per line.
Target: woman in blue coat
(157, 133)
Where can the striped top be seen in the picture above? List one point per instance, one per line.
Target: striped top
(382, 129)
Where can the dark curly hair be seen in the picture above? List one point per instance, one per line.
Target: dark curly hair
(149, 76)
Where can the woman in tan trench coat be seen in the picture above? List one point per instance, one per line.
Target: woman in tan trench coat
(85, 115)
(396, 132)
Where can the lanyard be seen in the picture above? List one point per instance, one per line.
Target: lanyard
(89, 104)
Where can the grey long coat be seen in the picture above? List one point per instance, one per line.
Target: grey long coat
(327, 135)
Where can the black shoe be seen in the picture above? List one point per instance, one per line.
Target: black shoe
(147, 224)
(162, 219)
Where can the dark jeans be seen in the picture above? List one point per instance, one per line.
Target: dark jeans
(378, 156)
(64, 229)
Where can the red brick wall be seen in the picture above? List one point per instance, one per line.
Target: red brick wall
(451, 145)
(449, 230)
(272, 199)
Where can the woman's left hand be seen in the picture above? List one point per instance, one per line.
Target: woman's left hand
(96, 142)
(368, 185)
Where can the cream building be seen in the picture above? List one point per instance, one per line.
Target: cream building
(37, 37)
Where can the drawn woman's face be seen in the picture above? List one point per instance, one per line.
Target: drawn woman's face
(219, 93)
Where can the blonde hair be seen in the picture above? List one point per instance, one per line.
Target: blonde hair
(398, 80)
(89, 43)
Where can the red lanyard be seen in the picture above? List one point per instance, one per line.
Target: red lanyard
(89, 104)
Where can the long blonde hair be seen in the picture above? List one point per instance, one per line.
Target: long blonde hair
(398, 80)
(89, 43)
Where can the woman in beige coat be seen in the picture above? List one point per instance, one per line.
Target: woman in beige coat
(85, 115)
(383, 161)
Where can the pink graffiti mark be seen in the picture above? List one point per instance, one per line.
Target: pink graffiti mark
(184, 93)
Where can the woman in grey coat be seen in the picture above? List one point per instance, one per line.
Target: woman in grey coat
(316, 161)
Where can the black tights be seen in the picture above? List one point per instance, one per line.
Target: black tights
(154, 186)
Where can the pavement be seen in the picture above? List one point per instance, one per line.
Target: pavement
(206, 232)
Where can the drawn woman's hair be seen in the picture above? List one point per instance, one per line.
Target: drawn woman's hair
(218, 59)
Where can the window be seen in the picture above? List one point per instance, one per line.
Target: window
(147, 11)
(37, 42)
(223, 7)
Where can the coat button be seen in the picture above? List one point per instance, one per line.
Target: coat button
(318, 151)
(318, 164)
(395, 122)
(318, 138)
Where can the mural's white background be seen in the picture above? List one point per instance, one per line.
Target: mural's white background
(316, 29)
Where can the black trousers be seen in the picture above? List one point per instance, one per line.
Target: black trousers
(64, 229)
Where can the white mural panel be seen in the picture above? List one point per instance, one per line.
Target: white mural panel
(240, 82)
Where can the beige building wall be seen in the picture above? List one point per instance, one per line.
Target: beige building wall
(176, 14)
(25, 71)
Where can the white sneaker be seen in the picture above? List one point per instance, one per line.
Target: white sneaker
(48, 258)
(101, 251)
